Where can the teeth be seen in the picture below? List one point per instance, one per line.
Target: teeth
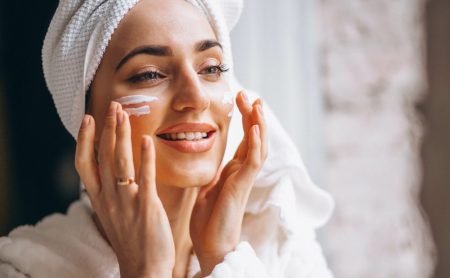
(180, 135)
(190, 136)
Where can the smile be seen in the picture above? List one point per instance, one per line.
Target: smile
(189, 137)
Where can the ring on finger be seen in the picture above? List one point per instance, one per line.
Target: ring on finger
(125, 181)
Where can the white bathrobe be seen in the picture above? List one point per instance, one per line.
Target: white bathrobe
(278, 235)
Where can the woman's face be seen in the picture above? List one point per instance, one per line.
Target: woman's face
(165, 55)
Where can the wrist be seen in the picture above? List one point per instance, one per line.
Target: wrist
(208, 262)
(161, 271)
(159, 275)
(139, 272)
(207, 267)
(214, 256)
(153, 274)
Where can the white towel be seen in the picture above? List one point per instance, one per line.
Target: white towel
(79, 34)
(60, 244)
(284, 207)
(284, 198)
(283, 204)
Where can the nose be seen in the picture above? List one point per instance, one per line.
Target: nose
(189, 94)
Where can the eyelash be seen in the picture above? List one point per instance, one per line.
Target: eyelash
(221, 69)
(151, 76)
(148, 76)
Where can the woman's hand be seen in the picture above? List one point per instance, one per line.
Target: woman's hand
(132, 216)
(218, 213)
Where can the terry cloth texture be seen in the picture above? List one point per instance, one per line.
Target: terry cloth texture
(77, 38)
(277, 239)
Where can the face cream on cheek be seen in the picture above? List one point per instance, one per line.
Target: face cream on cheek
(136, 100)
(138, 111)
(227, 99)
(139, 107)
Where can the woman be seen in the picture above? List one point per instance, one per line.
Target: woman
(165, 200)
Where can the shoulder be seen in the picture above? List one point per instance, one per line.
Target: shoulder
(60, 245)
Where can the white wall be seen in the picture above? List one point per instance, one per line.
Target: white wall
(275, 49)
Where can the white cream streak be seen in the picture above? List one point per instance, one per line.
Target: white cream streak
(136, 99)
(138, 111)
(228, 98)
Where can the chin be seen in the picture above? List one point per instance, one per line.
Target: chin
(187, 176)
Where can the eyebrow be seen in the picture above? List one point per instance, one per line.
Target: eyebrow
(164, 51)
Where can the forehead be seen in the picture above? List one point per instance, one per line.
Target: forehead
(175, 23)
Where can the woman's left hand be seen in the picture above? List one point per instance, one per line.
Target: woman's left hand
(217, 216)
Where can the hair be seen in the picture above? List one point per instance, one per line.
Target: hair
(87, 102)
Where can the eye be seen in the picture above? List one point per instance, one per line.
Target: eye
(148, 76)
(215, 70)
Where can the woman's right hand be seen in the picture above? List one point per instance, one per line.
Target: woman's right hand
(132, 216)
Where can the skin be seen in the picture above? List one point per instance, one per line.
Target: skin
(179, 201)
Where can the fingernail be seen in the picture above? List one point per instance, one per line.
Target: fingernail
(245, 97)
(120, 118)
(261, 110)
(85, 122)
(112, 109)
(257, 130)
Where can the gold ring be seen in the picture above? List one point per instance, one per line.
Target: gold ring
(125, 181)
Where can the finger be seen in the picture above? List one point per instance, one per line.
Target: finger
(248, 120)
(123, 157)
(258, 115)
(147, 183)
(252, 162)
(85, 162)
(254, 116)
(242, 149)
(253, 159)
(245, 108)
(106, 151)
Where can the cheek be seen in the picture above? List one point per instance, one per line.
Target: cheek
(143, 121)
(222, 108)
(222, 100)
(228, 103)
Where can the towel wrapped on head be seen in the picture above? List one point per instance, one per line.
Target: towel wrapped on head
(74, 46)
(284, 206)
(79, 34)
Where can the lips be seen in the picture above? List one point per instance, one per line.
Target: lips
(189, 137)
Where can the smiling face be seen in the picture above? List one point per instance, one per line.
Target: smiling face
(164, 65)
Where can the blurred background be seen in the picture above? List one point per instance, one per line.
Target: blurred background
(362, 87)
